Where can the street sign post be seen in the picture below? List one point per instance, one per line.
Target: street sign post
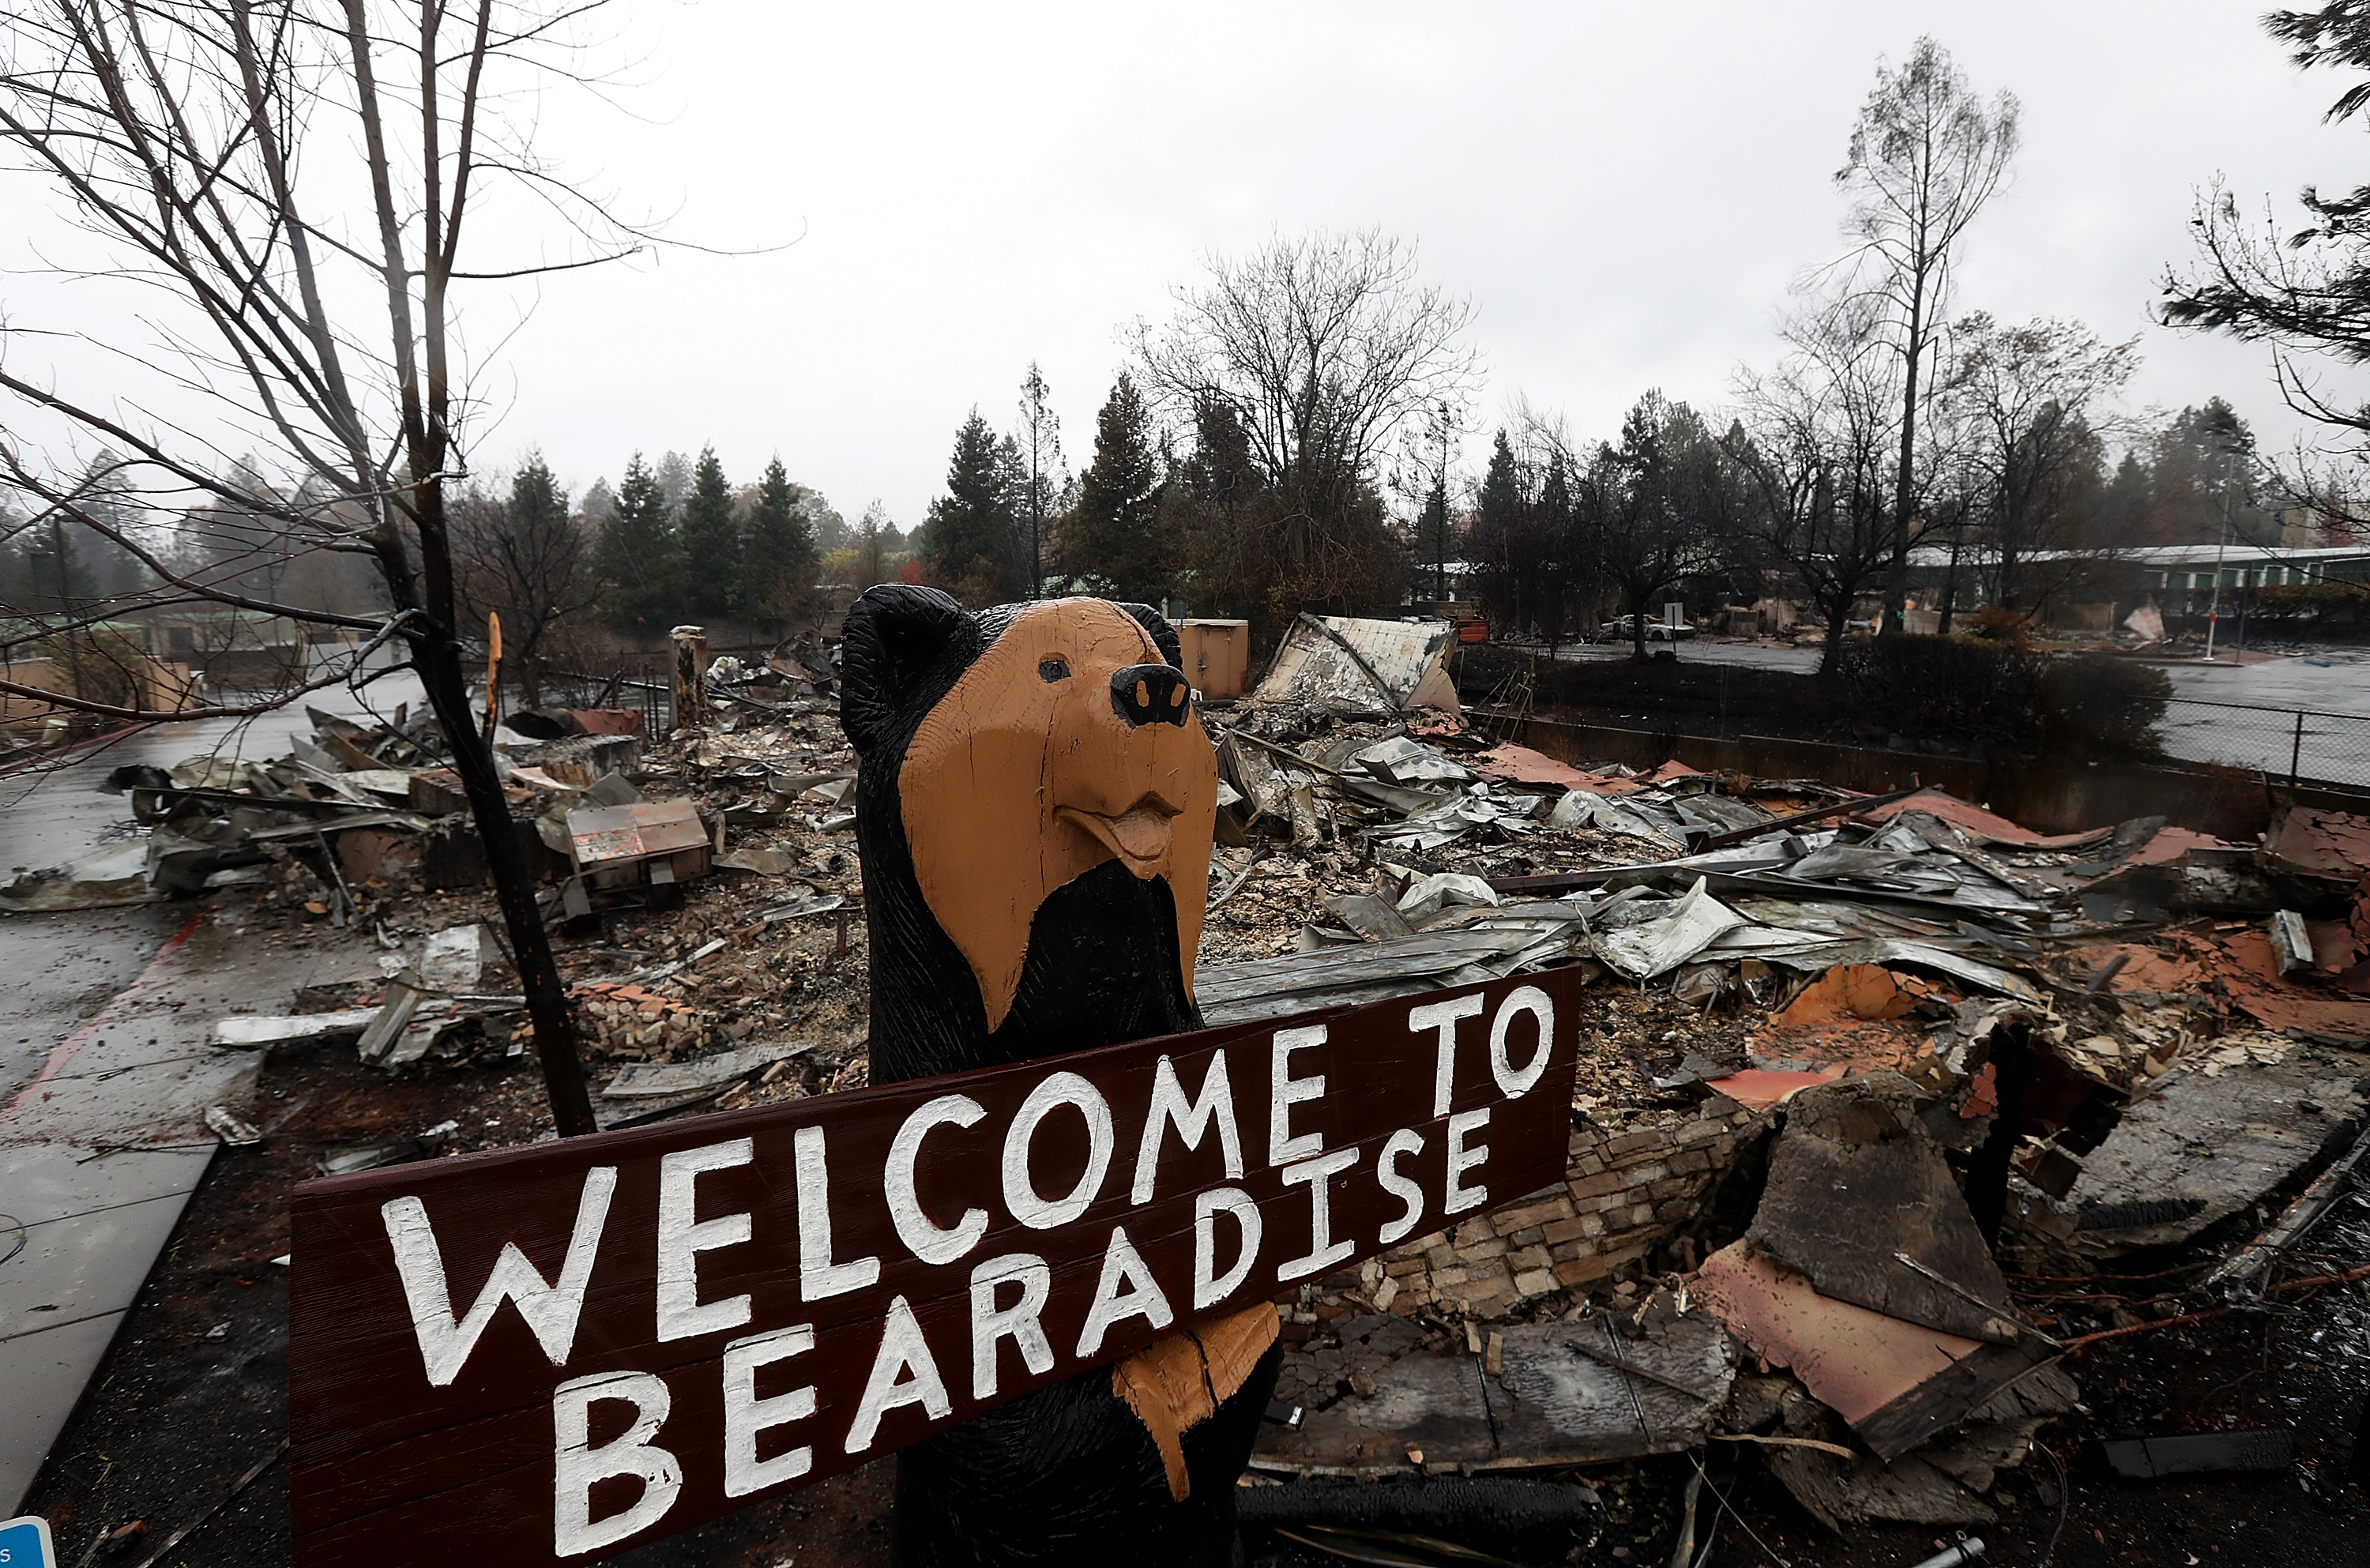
(557, 1353)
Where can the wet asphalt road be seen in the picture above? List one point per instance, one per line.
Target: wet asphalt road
(56, 970)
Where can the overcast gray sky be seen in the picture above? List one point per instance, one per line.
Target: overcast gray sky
(1623, 191)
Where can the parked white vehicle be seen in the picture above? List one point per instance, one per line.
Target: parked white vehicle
(1618, 631)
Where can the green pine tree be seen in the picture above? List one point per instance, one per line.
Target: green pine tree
(974, 529)
(778, 550)
(538, 506)
(1433, 542)
(1121, 540)
(52, 572)
(1502, 488)
(710, 542)
(641, 557)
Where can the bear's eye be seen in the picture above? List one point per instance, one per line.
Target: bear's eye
(1054, 669)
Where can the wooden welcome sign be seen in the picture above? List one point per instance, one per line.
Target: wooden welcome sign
(556, 1353)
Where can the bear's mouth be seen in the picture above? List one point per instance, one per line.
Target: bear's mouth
(1138, 836)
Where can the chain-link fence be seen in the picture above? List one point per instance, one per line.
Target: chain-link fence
(2293, 743)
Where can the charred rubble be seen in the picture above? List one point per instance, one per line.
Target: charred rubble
(1889, 1109)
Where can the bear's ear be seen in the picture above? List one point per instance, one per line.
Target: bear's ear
(897, 634)
(1163, 634)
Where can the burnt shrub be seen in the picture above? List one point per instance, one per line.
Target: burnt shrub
(1958, 687)
(1991, 692)
(2094, 705)
(2327, 612)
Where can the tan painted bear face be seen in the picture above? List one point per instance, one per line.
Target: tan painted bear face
(1068, 743)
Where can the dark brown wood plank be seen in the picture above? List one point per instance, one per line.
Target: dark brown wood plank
(390, 1468)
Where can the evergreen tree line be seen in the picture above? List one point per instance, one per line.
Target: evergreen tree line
(1163, 510)
(53, 563)
(2017, 495)
(678, 545)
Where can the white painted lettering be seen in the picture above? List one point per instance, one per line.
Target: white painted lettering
(925, 1239)
(1125, 1290)
(1515, 1083)
(549, 1309)
(1209, 1287)
(1215, 1103)
(1016, 1322)
(1460, 1160)
(577, 1465)
(1284, 1092)
(1020, 1192)
(1444, 1017)
(1404, 1142)
(902, 1350)
(1323, 1251)
(682, 1239)
(746, 1415)
(818, 1275)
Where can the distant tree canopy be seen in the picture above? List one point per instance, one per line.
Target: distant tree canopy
(45, 570)
(750, 555)
(975, 545)
(2031, 408)
(708, 534)
(640, 556)
(524, 556)
(1122, 538)
(778, 550)
(1294, 370)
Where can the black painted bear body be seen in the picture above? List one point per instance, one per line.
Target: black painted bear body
(1085, 945)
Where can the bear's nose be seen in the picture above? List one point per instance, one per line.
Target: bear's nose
(1149, 694)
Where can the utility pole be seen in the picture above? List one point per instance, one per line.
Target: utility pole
(2213, 607)
(1440, 522)
(2221, 549)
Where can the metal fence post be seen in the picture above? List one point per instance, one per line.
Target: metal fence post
(2296, 751)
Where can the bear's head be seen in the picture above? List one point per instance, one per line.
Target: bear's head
(1035, 799)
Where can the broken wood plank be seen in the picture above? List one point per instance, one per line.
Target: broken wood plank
(1555, 1401)
(652, 1080)
(260, 1033)
(1827, 1198)
(1945, 1399)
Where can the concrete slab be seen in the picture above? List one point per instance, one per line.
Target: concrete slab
(101, 1144)
(40, 1183)
(44, 1374)
(85, 1265)
(156, 1104)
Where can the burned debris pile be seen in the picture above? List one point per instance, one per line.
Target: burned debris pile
(1860, 1065)
(1880, 1098)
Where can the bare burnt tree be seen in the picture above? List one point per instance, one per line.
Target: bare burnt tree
(291, 180)
(522, 556)
(1318, 351)
(1038, 438)
(1817, 442)
(1637, 517)
(1926, 155)
(2305, 294)
(2033, 408)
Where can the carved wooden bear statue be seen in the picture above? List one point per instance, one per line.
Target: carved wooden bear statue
(1035, 799)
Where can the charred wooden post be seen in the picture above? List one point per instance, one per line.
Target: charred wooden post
(690, 678)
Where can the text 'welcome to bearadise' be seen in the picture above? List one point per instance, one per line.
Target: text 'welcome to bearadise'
(579, 1346)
